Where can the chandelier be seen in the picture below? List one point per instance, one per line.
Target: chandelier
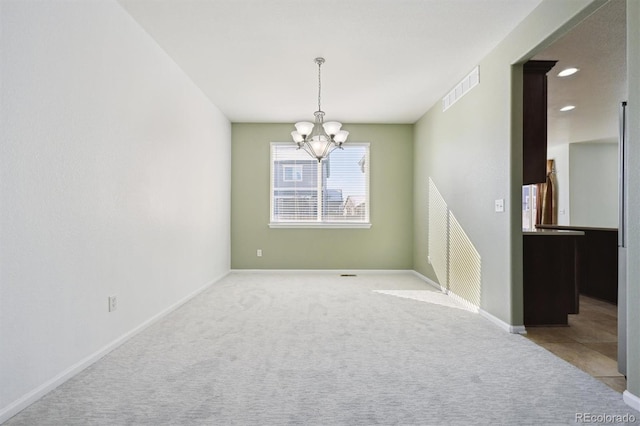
(319, 139)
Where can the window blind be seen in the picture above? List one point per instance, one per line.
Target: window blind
(335, 190)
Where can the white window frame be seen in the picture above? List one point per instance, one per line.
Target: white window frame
(325, 224)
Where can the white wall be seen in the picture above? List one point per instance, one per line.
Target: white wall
(587, 182)
(114, 180)
(593, 172)
(560, 154)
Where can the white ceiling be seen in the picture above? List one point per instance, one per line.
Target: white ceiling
(597, 46)
(387, 61)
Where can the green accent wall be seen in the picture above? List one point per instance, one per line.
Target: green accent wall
(473, 154)
(388, 244)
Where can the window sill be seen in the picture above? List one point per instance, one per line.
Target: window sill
(321, 225)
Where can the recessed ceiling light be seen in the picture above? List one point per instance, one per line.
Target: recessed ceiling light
(568, 71)
(567, 108)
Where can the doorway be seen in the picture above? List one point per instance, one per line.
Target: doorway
(583, 142)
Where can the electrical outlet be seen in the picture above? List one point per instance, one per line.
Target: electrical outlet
(113, 303)
(499, 206)
(259, 253)
(429, 259)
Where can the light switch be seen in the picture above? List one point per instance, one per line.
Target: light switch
(499, 206)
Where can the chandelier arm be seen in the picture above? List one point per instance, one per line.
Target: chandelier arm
(328, 149)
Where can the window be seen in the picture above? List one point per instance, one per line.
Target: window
(529, 207)
(332, 193)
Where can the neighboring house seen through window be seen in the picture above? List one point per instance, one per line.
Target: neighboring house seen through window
(331, 193)
(292, 173)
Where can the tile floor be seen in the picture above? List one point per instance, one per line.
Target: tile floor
(590, 342)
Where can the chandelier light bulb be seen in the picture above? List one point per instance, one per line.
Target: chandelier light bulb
(297, 137)
(304, 128)
(341, 137)
(332, 127)
(318, 144)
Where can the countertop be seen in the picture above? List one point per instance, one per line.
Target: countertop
(576, 228)
(553, 232)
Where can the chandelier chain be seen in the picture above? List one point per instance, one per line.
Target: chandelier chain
(319, 85)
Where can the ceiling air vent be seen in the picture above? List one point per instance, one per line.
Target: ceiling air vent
(461, 89)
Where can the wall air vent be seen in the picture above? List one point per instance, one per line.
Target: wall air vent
(461, 89)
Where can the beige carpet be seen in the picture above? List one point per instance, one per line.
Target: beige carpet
(319, 349)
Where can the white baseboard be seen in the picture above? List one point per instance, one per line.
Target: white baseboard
(513, 329)
(29, 398)
(631, 400)
(464, 302)
(429, 281)
(322, 271)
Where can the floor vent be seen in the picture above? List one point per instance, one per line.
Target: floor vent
(461, 89)
(348, 275)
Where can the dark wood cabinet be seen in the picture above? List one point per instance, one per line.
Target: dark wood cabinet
(550, 286)
(597, 265)
(534, 134)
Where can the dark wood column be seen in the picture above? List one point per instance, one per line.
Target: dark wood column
(534, 136)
